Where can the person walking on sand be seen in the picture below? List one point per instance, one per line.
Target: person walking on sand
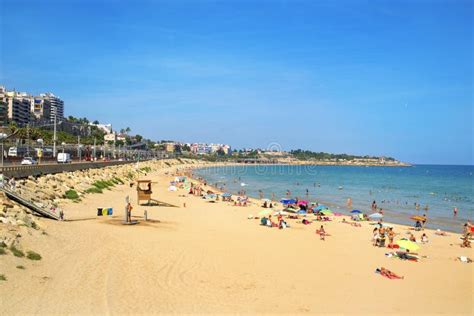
(322, 233)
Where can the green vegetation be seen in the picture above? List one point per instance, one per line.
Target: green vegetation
(17, 252)
(3, 277)
(118, 180)
(34, 225)
(145, 169)
(94, 190)
(2, 251)
(3, 245)
(103, 184)
(33, 255)
(71, 195)
(20, 267)
(306, 154)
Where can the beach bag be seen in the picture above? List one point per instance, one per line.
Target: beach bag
(263, 221)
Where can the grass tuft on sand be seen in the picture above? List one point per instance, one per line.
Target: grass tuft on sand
(17, 252)
(71, 194)
(33, 255)
(94, 190)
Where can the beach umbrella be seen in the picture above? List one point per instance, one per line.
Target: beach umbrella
(407, 244)
(227, 194)
(326, 212)
(418, 218)
(265, 212)
(302, 202)
(288, 201)
(356, 212)
(301, 212)
(281, 213)
(376, 216)
(266, 200)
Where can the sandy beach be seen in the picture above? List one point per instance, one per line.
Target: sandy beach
(209, 258)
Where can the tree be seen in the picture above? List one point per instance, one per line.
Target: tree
(127, 130)
(95, 122)
(186, 148)
(138, 138)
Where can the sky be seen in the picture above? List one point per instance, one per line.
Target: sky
(391, 78)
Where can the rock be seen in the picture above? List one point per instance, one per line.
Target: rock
(19, 222)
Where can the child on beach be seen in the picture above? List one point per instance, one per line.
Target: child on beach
(424, 238)
(321, 232)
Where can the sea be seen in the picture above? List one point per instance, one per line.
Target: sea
(437, 188)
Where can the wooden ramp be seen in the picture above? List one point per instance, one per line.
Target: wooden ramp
(29, 204)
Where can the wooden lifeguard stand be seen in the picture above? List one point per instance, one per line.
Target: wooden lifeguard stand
(144, 191)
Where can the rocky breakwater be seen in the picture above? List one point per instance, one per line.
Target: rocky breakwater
(54, 189)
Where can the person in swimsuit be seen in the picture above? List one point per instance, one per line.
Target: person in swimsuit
(388, 274)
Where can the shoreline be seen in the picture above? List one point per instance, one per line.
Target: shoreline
(258, 201)
(400, 218)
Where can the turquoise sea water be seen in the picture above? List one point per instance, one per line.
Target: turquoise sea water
(395, 189)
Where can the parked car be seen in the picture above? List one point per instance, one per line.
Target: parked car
(28, 161)
(64, 158)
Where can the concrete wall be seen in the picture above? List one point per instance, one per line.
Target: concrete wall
(37, 170)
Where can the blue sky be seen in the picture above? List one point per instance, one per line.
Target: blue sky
(364, 77)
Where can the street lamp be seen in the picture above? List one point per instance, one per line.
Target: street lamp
(63, 144)
(2, 138)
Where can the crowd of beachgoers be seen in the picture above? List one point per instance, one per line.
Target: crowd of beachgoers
(289, 212)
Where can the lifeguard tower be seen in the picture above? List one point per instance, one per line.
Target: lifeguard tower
(144, 191)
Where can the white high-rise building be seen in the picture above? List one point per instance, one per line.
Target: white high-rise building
(55, 104)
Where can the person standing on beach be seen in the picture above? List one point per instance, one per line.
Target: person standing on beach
(129, 212)
(374, 206)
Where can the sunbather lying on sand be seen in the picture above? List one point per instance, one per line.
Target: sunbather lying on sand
(388, 274)
(440, 233)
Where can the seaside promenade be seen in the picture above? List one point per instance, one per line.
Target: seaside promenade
(202, 257)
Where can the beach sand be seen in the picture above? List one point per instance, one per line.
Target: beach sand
(209, 258)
